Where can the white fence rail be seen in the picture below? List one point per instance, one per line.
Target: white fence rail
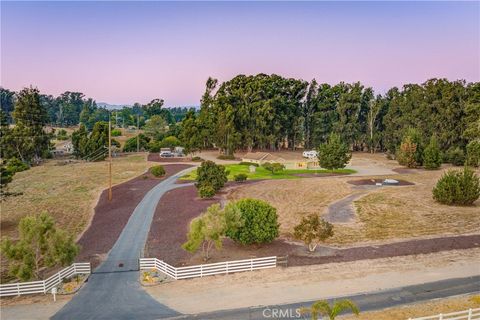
(470, 314)
(43, 286)
(210, 269)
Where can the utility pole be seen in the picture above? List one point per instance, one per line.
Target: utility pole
(138, 135)
(109, 159)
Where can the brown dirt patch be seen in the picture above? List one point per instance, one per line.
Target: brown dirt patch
(372, 182)
(111, 216)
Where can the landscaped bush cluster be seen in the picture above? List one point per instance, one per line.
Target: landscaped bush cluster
(210, 176)
(240, 177)
(158, 171)
(197, 159)
(457, 187)
(246, 163)
(246, 221)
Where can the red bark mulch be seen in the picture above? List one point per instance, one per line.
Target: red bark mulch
(176, 209)
(111, 216)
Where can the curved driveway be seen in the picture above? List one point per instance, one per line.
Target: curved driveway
(111, 293)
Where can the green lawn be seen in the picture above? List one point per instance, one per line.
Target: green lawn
(262, 173)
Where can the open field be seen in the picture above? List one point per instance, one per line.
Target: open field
(385, 213)
(68, 192)
(422, 309)
(262, 173)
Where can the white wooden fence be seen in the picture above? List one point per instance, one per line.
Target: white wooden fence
(208, 269)
(470, 314)
(43, 286)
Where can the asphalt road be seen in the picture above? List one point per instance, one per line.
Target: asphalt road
(113, 291)
(366, 302)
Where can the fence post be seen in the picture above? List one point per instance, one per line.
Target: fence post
(18, 289)
(227, 266)
(251, 264)
(59, 278)
(201, 270)
(440, 316)
(44, 287)
(470, 314)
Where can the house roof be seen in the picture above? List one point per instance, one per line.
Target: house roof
(262, 156)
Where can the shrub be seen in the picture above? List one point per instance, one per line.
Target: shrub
(258, 222)
(473, 153)
(457, 187)
(62, 134)
(456, 156)
(334, 154)
(431, 155)
(154, 146)
(170, 142)
(14, 165)
(206, 191)
(273, 167)
(197, 159)
(131, 144)
(212, 174)
(158, 171)
(311, 230)
(406, 153)
(240, 177)
(246, 163)
(116, 133)
(226, 157)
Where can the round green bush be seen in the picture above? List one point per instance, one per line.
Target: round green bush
(158, 171)
(212, 174)
(456, 156)
(457, 187)
(240, 177)
(259, 222)
(197, 159)
(206, 191)
(116, 133)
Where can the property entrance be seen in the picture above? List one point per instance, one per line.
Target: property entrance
(110, 266)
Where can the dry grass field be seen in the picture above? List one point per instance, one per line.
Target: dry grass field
(423, 309)
(68, 192)
(385, 213)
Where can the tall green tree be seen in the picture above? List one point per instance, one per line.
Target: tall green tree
(28, 140)
(432, 158)
(334, 154)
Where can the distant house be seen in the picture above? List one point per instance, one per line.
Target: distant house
(63, 148)
(261, 158)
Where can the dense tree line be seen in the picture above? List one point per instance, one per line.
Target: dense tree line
(272, 112)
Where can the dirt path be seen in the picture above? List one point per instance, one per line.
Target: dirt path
(111, 216)
(289, 285)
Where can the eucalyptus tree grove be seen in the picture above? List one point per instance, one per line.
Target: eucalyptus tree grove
(271, 112)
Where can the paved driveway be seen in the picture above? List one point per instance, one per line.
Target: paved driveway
(114, 292)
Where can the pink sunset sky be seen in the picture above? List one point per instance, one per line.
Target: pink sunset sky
(126, 52)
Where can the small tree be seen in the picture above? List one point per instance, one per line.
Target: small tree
(457, 187)
(211, 174)
(323, 308)
(456, 156)
(473, 153)
(312, 230)
(257, 224)
(6, 177)
(406, 153)
(273, 167)
(158, 171)
(206, 231)
(431, 155)
(334, 154)
(40, 245)
(15, 165)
